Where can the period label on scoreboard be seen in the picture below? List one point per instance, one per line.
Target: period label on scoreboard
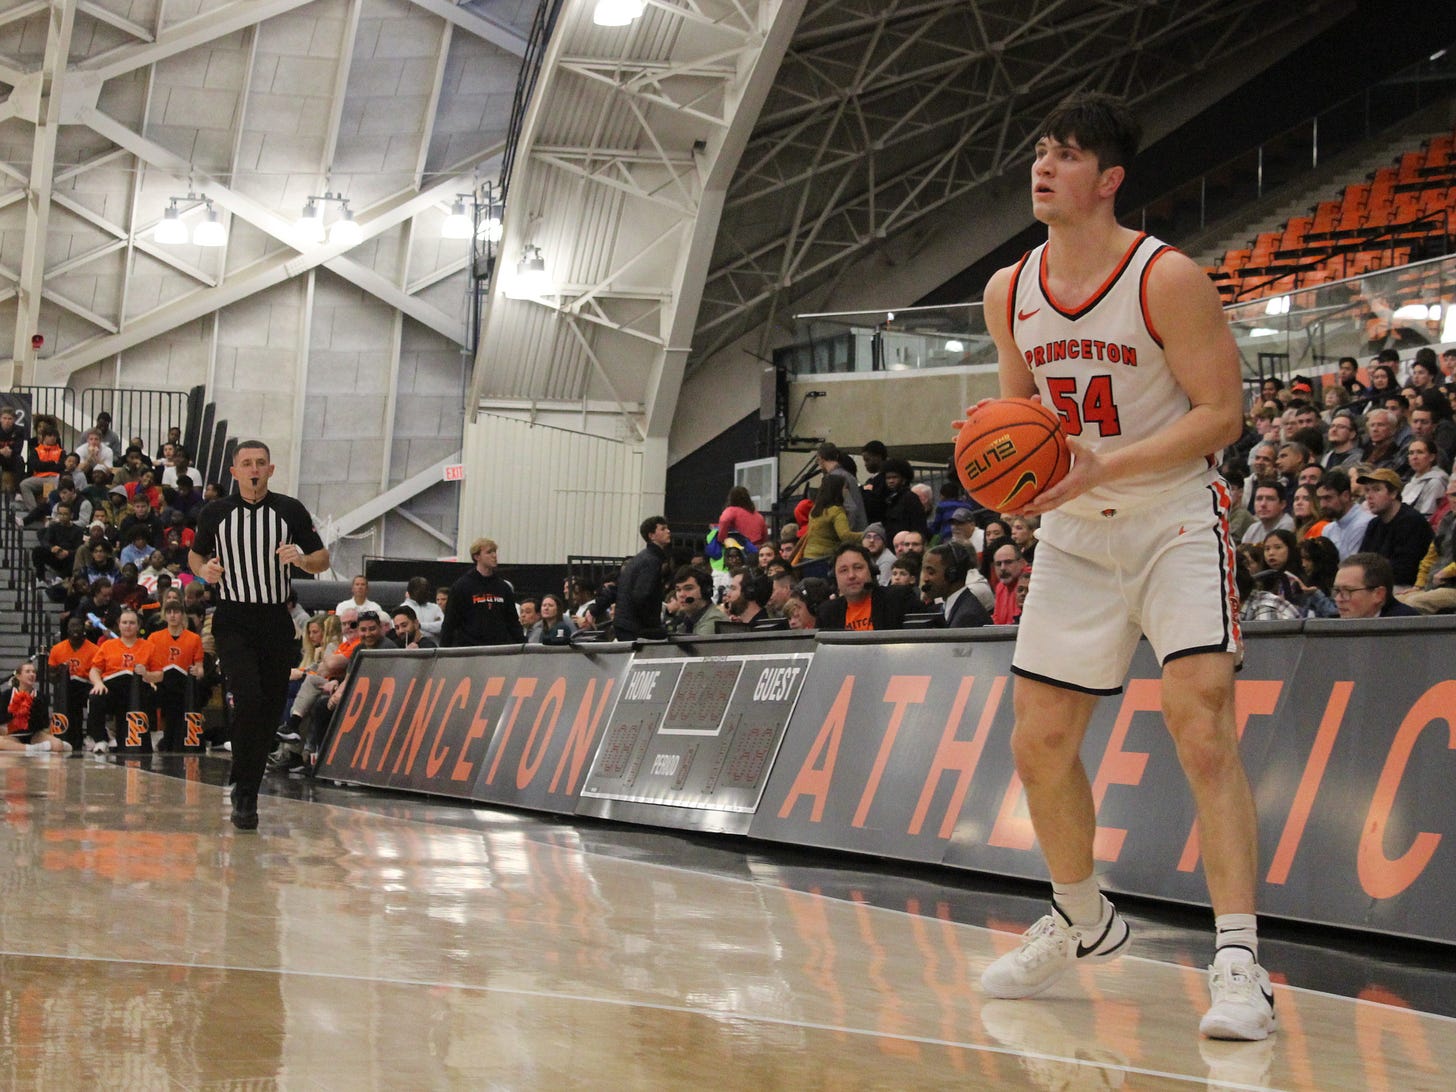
(696, 733)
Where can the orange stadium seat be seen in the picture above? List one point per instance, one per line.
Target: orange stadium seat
(1439, 151)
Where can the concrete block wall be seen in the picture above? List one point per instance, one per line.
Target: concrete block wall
(253, 109)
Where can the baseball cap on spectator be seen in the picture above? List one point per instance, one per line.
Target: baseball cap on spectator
(1385, 476)
(963, 515)
(118, 489)
(1300, 385)
(95, 523)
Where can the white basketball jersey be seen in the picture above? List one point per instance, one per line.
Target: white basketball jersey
(1099, 365)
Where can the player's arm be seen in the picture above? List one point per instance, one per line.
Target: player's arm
(1184, 309)
(1016, 378)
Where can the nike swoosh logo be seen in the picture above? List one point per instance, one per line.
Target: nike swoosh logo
(1027, 478)
(1022, 316)
(1084, 950)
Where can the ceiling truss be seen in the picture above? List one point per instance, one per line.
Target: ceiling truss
(885, 114)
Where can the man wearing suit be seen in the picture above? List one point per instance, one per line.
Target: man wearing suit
(943, 577)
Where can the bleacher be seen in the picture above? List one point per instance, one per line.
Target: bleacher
(1402, 212)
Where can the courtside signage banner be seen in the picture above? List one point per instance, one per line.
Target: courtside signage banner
(696, 733)
(904, 751)
(496, 725)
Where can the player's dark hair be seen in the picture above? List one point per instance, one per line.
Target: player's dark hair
(1099, 123)
(649, 525)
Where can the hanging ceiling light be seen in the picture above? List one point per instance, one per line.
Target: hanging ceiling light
(171, 231)
(346, 230)
(530, 281)
(458, 224)
(616, 13)
(492, 227)
(309, 227)
(211, 231)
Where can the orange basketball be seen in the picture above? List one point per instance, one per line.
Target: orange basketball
(1009, 450)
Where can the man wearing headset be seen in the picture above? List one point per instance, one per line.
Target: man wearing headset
(943, 577)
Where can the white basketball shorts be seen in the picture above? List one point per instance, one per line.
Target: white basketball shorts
(1163, 570)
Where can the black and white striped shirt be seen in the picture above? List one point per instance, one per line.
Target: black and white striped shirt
(245, 538)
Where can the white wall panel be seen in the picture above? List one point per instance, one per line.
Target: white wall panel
(544, 493)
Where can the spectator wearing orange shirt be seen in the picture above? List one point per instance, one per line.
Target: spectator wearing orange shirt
(862, 603)
(74, 655)
(43, 468)
(122, 675)
(177, 654)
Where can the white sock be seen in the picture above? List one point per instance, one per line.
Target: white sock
(1236, 938)
(1080, 902)
(36, 748)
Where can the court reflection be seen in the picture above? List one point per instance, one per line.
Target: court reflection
(146, 944)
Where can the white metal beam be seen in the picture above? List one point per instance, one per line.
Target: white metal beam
(391, 499)
(327, 254)
(38, 192)
(111, 19)
(482, 26)
(180, 37)
(434, 532)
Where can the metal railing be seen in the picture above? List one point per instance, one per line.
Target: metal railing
(25, 602)
(141, 414)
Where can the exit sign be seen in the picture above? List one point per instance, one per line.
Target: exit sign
(455, 472)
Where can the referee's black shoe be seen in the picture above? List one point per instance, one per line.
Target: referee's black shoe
(245, 808)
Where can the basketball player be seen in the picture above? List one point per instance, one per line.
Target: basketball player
(1124, 338)
(245, 547)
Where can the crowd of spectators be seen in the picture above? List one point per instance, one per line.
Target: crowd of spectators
(1348, 489)
(1341, 505)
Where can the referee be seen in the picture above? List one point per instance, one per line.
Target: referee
(244, 547)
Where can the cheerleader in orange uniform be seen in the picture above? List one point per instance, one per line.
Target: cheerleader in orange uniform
(121, 688)
(27, 720)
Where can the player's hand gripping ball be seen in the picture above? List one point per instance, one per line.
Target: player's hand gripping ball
(1009, 450)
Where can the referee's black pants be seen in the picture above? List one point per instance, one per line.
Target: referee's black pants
(256, 653)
